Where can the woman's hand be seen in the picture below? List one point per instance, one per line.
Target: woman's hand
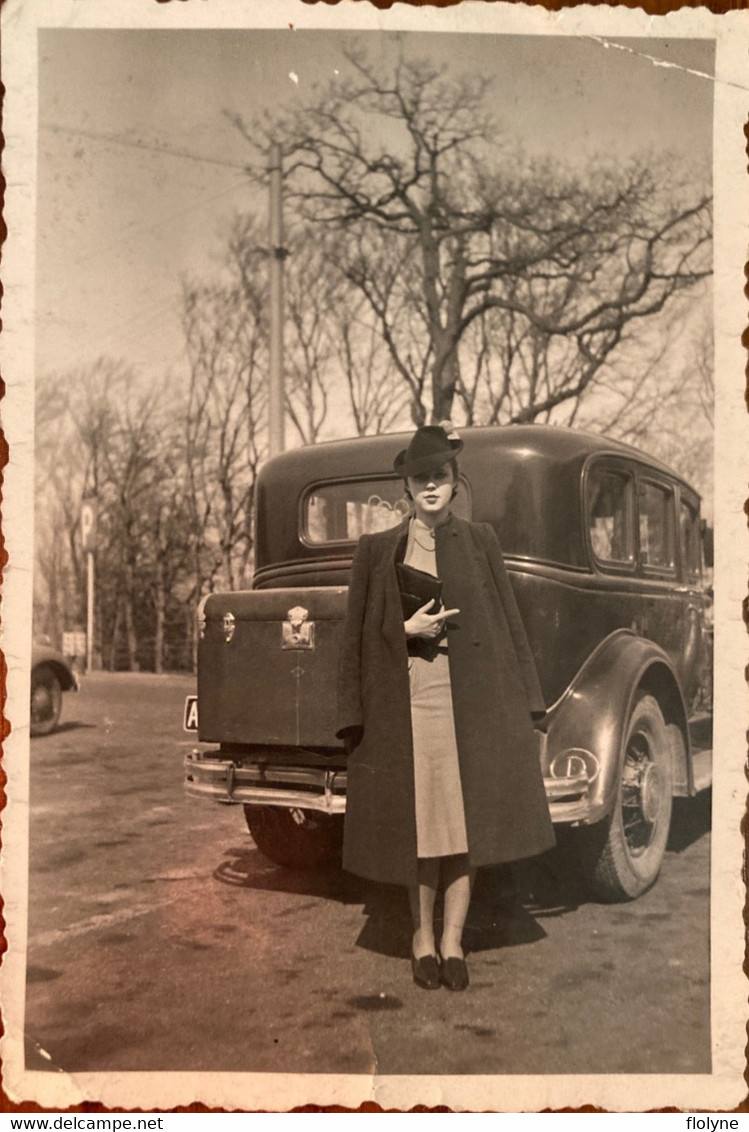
(428, 625)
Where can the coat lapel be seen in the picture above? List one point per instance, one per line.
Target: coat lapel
(399, 546)
(393, 543)
(393, 550)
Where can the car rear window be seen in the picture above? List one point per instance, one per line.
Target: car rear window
(343, 511)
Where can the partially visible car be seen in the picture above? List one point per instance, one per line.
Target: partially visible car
(51, 675)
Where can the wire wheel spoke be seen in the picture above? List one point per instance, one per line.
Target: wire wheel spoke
(637, 829)
(639, 794)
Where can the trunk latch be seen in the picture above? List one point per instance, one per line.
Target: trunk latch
(296, 631)
(229, 623)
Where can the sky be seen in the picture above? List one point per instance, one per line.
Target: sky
(140, 169)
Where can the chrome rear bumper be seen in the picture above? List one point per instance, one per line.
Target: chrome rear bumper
(308, 788)
(315, 788)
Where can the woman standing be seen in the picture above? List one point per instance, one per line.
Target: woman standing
(436, 709)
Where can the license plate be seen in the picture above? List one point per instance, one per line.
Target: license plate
(190, 719)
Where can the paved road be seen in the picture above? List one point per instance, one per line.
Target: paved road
(161, 939)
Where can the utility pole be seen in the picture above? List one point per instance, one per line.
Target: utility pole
(89, 610)
(88, 544)
(277, 255)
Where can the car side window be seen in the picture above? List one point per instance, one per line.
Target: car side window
(689, 542)
(656, 526)
(610, 510)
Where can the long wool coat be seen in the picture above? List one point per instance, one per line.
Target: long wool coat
(495, 692)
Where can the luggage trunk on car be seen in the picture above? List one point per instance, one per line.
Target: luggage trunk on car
(267, 667)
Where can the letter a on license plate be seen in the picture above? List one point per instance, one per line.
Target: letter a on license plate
(190, 722)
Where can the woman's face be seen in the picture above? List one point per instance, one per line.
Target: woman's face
(432, 492)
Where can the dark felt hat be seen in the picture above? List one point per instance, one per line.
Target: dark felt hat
(431, 446)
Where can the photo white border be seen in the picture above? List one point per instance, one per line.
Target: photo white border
(722, 1089)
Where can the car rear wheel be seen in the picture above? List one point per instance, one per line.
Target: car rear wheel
(625, 853)
(302, 840)
(46, 700)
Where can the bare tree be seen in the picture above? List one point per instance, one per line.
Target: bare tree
(387, 275)
(76, 418)
(99, 432)
(148, 527)
(377, 397)
(76, 415)
(703, 346)
(226, 346)
(312, 294)
(653, 393)
(404, 158)
(167, 541)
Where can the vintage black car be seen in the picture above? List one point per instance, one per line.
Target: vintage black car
(51, 675)
(605, 550)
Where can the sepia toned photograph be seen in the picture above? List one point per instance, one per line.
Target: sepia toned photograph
(375, 650)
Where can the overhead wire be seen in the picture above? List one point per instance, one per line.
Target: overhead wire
(148, 314)
(138, 143)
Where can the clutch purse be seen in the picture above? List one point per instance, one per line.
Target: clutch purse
(416, 589)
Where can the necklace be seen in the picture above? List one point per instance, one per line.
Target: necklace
(417, 526)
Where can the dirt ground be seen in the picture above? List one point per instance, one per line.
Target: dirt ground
(160, 938)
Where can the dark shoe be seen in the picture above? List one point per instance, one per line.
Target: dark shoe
(426, 972)
(454, 974)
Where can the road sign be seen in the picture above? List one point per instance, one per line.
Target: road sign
(74, 643)
(88, 525)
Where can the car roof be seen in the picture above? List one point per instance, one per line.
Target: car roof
(523, 479)
(375, 454)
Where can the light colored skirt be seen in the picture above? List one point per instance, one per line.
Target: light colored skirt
(440, 815)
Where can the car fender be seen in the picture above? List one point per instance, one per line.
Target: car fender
(588, 723)
(45, 654)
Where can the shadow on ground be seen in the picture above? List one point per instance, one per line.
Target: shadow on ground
(509, 901)
(62, 728)
(690, 820)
